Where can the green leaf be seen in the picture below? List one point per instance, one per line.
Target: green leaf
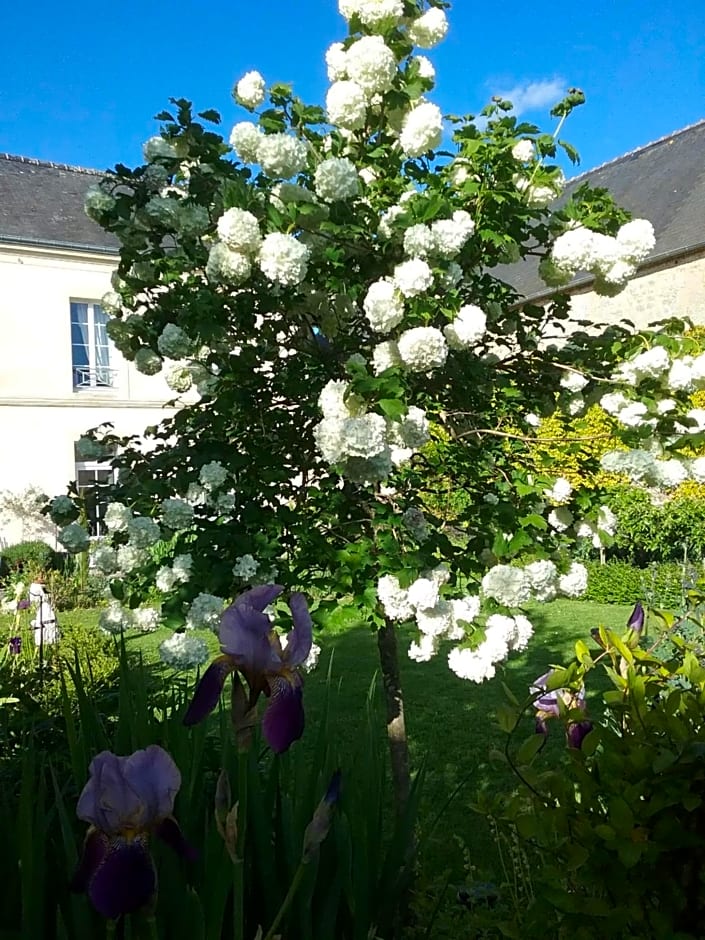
(392, 407)
(530, 748)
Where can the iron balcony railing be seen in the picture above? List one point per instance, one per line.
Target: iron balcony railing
(101, 377)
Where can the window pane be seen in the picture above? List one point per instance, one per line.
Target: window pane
(79, 313)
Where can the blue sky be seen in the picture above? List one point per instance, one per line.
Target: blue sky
(80, 83)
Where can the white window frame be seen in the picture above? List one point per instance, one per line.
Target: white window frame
(93, 466)
(93, 371)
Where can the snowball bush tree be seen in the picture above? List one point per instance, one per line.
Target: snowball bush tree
(318, 290)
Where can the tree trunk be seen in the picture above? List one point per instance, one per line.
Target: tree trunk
(396, 729)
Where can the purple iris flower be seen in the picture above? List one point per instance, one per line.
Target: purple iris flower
(23, 604)
(126, 800)
(548, 705)
(15, 645)
(251, 647)
(636, 620)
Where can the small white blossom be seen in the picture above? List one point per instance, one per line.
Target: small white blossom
(394, 599)
(282, 155)
(245, 567)
(425, 67)
(74, 538)
(560, 518)
(245, 139)
(422, 349)
(176, 514)
(283, 259)
(467, 329)
(372, 13)
(573, 381)
(336, 62)
(336, 179)
(422, 129)
(212, 475)
(117, 517)
(383, 305)
(413, 277)
(147, 361)
(184, 651)
(104, 558)
(158, 147)
(147, 619)
(250, 90)
(560, 491)
(227, 266)
(574, 583)
(385, 356)
(507, 585)
(450, 235)
(543, 576)
(346, 105)
(143, 531)
(131, 558)
(523, 151)
(371, 64)
(173, 342)
(429, 29)
(419, 241)
(115, 618)
(204, 612)
(240, 231)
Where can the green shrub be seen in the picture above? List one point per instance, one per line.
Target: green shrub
(619, 582)
(30, 559)
(608, 835)
(645, 533)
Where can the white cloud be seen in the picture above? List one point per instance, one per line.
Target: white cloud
(531, 96)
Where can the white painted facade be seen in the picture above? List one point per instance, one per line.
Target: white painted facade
(42, 411)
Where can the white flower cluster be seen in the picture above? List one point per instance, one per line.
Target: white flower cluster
(371, 64)
(97, 202)
(130, 558)
(366, 443)
(336, 179)
(413, 277)
(429, 29)
(179, 573)
(443, 238)
(646, 468)
(573, 381)
(158, 148)
(147, 619)
(62, 510)
(524, 150)
(385, 356)
(104, 558)
(115, 618)
(249, 91)
(415, 523)
(560, 491)
(240, 231)
(467, 329)
(74, 538)
(612, 260)
(143, 531)
(383, 305)
(503, 635)
(245, 139)
(284, 259)
(422, 349)
(422, 129)
(204, 612)
(227, 266)
(346, 105)
(212, 475)
(184, 651)
(372, 13)
(540, 580)
(605, 524)
(280, 155)
(147, 361)
(245, 567)
(177, 514)
(174, 343)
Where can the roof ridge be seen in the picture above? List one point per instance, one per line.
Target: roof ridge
(636, 150)
(31, 161)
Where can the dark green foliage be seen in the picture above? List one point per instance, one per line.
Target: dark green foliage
(30, 559)
(610, 839)
(645, 533)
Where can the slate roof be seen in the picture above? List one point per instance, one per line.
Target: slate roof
(42, 204)
(663, 182)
